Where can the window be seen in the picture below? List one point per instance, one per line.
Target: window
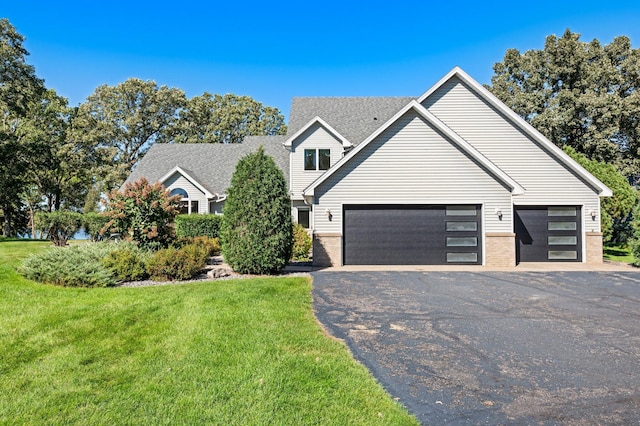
(462, 257)
(561, 211)
(462, 241)
(324, 159)
(461, 211)
(179, 191)
(462, 226)
(561, 226)
(186, 206)
(317, 159)
(562, 255)
(309, 159)
(303, 217)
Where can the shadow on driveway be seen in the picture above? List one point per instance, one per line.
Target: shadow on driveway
(494, 347)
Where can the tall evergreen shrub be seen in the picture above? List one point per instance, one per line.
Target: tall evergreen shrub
(256, 226)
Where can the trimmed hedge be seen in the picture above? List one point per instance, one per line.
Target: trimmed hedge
(198, 225)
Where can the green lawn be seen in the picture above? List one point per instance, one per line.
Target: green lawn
(229, 352)
(618, 254)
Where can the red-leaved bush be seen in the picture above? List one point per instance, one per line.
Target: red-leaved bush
(143, 213)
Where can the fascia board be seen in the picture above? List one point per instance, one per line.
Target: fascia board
(178, 169)
(289, 142)
(558, 153)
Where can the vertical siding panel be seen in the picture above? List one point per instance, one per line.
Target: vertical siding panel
(411, 163)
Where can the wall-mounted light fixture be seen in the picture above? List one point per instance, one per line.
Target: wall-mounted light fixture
(498, 212)
(593, 214)
(328, 213)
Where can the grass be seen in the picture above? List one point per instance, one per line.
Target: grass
(228, 352)
(618, 254)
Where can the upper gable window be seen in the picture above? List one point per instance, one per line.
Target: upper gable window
(317, 159)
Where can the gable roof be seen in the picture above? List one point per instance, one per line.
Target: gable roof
(211, 166)
(555, 152)
(187, 175)
(353, 118)
(320, 121)
(463, 145)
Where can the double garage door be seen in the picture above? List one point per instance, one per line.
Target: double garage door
(412, 235)
(440, 235)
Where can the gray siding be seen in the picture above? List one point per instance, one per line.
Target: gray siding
(545, 180)
(178, 181)
(315, 137)
(411, 163)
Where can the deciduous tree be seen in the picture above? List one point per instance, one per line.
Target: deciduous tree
(124, 120)
(226, 119)
(580, 94)
(19, 87)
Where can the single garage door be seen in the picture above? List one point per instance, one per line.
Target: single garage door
(411, 235)
(548, 234)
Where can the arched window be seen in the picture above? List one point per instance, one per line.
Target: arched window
(179, 191)
(186, 206)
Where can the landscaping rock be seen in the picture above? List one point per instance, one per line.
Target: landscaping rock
(219, 273)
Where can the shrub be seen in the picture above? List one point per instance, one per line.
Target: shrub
(94, 225)
(198, 225)
(256, 229)
(211, 245)
(615, 211)
(302, 243)
(177, 263)
(143, 213)
(74, 266)
(127, 262)
(59, 225)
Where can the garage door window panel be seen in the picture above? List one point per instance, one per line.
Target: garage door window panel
(462, 241)
(562, 240)
(561, 211)
(462, 257)
(461, 211)
(561, 226)
(562, 255)
(462, 226)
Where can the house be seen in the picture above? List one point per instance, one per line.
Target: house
(450, 177)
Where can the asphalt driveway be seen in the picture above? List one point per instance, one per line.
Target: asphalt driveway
(494, 347)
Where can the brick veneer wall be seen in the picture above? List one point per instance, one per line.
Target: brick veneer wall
(500, 249)
(593, 247)
(327, 250)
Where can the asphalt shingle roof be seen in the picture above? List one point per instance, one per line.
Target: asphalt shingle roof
(354, 118)
(212, 165)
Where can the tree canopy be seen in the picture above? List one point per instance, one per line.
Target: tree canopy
(19, 89)
(124, 120)
(226, 119)
(579, 94)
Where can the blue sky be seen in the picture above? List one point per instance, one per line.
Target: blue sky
(273, 51)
